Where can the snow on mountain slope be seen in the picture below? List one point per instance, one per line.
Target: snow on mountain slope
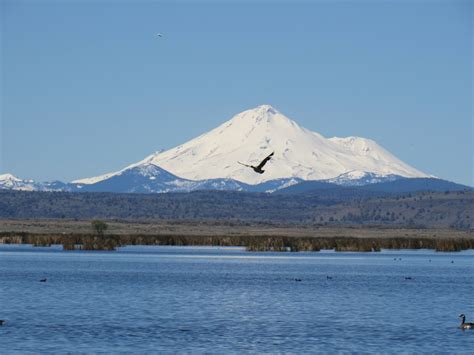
(361, 178)
(253, 134)
(149, 178)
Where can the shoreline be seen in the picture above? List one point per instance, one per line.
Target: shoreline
(78, 235)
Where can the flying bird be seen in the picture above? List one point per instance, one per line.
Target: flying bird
(258, 168)
(159, 35)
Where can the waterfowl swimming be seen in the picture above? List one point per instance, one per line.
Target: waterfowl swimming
(258, 168)
(408, 278)
(328, 278)
(465, 325)
(2, 321)
(297, 280)
(43, 280)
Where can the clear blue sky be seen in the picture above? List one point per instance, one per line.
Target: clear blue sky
(88, 89)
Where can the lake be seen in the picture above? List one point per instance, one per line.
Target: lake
(211, 299)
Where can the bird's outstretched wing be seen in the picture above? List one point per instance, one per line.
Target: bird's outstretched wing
(248, 166)
(264, 161)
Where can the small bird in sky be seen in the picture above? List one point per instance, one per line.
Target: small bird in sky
(159, 35)
(258, 168)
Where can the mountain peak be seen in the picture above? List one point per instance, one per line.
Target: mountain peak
(262, 115)
(266, 109)
(258, 113)
(249, 136)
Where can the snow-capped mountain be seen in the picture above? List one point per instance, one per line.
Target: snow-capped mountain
(299, 153)
(210, 161)
(11, 182)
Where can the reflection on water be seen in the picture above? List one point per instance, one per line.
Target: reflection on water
(219, 299)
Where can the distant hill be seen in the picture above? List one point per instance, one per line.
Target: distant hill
(341, 206)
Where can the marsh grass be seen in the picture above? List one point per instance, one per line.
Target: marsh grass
(342, 244)
(88, 241)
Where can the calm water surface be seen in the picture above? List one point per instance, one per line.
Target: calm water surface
(194, 299)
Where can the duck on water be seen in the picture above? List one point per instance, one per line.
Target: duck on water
(465, 325)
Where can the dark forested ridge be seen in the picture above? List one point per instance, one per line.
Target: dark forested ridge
(449, 209)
